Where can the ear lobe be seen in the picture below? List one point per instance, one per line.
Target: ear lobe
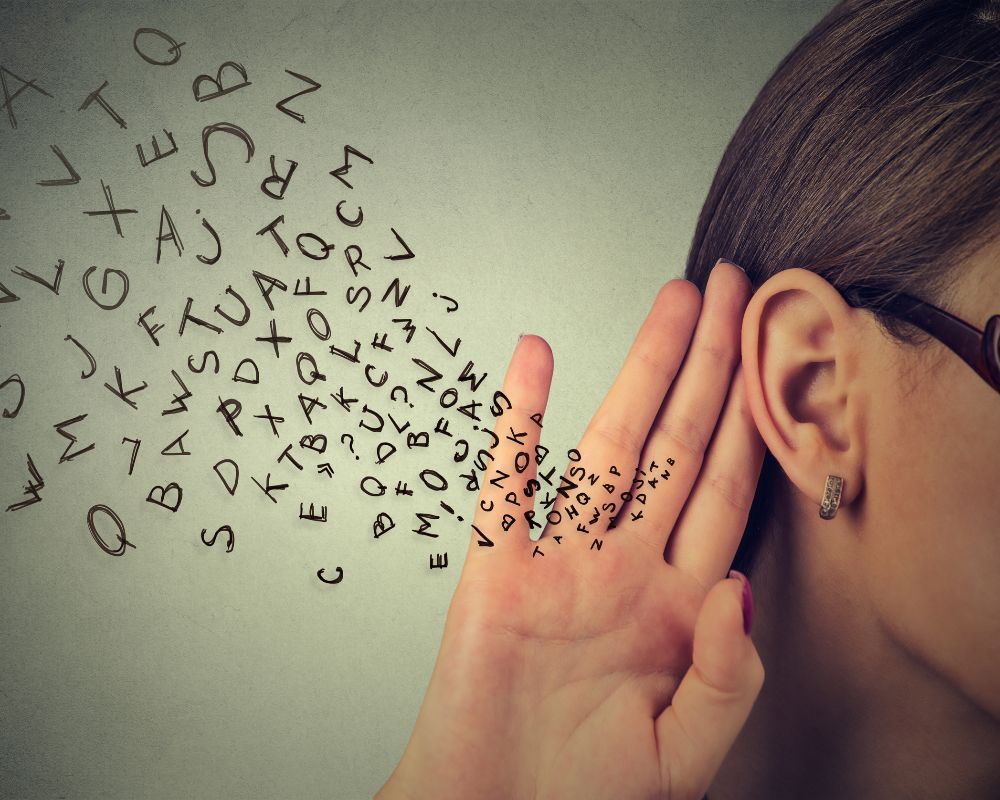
(800, 363)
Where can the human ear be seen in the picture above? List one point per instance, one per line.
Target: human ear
(801, 364)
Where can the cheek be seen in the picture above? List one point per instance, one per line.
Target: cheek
(931, 543)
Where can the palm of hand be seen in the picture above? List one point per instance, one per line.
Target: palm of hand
(563, 669)
(559, 661)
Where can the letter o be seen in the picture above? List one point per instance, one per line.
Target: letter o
(309, 318)
(520, 465)
(442, 483)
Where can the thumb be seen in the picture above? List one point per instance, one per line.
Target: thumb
(712, 702)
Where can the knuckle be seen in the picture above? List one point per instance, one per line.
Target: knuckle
(713, 350)
(685, 432)
(722, 693)
(650, 359)
(732, 490)
(621, 436)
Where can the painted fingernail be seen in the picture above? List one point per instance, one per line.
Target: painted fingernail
(520, 337)
(727, 261)
(746, 598)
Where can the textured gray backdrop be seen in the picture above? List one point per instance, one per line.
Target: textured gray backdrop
(545, 162)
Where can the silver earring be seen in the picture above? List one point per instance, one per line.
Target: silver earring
(831, 497)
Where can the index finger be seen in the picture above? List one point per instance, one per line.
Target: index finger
(510, 464)
(612, 441)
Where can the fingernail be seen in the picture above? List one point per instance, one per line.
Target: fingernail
(727, 261)
(746, 598)
(520, 337)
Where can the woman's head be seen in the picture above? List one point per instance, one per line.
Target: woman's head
(871, 157)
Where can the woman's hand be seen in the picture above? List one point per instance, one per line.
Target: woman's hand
(572, 669)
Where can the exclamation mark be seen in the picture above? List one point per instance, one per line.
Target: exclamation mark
(450, 510)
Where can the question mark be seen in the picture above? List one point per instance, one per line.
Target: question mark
(453, 302)
(392, 395)
(350, 444)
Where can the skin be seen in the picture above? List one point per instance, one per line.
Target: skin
(623, 672)
(880, 629)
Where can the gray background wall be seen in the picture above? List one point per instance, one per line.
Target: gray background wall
(545, 162)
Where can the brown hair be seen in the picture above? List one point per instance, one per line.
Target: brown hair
(870, 157)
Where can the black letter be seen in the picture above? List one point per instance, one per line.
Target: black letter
(313, 86)
(224, 127)
(175, 47)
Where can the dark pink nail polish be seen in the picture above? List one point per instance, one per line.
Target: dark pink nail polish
(746, 598)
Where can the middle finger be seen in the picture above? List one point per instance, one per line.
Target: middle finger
(611, 444)
(689, 415)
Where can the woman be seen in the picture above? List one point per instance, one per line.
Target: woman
(867, 172)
